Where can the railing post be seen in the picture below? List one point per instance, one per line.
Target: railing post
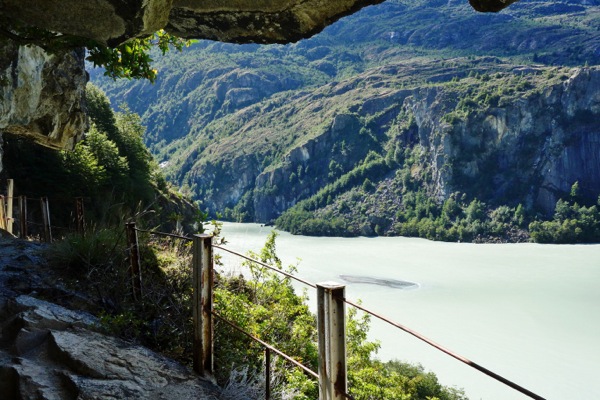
(9, 205)
(46, 217)
(203, 271)
(23, 217)
(80, 221)
(2, 210)
(267, 374)
(331, 324)
(134, 260)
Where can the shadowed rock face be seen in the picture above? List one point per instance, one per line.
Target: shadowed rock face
(265, 21)
(490, 5)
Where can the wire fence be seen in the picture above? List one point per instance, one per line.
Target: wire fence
(205, 280)
(404, 328)
(268, 348)
(341, 298)
(31, 218)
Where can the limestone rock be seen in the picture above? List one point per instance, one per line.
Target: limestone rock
(51, 352)
(265, 21)
(79, 363)
(42, 95)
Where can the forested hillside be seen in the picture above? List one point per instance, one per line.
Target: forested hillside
(110, 169)
(415, 118)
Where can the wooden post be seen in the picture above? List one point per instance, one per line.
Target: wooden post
(203, 270)
(23, 217)
(2, 215)
(267, 374)
(46, 217)
(80, 221)
(331, 324)
(134, 261)
(9, 205)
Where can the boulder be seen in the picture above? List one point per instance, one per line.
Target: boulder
(50, 352)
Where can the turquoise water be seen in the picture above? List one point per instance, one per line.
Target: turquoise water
(528, 312)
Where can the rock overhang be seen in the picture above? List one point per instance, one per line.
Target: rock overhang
(113, 22)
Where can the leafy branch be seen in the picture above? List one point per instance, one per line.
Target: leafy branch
(132, 59)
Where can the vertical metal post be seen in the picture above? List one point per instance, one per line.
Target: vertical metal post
(203, 272)
(331, 324)
(9, 205)
(22, 217)
(2, 216)
(267, 374)
(46, 216)
(80, 222)
(134, 260)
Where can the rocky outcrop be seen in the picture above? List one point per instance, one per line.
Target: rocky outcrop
(48, 351)
(532, 149)
(105, 21)
(42, 95)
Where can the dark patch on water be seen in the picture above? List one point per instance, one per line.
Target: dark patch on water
(393, 283)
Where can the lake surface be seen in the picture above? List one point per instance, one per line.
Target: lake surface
(528, 312)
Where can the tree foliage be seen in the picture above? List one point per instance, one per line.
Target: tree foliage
(571, 222)
(110, 168)
(132, 59)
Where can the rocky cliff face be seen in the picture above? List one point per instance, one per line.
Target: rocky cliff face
(42, 95)
(534, 148)
(517, 135)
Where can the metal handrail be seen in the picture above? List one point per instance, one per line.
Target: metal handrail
(267, 346)
(414, 333)
(460, 358)
(165, 234)
(287, 274)
(419, 336)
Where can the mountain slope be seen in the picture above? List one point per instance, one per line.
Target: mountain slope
(401, 92)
